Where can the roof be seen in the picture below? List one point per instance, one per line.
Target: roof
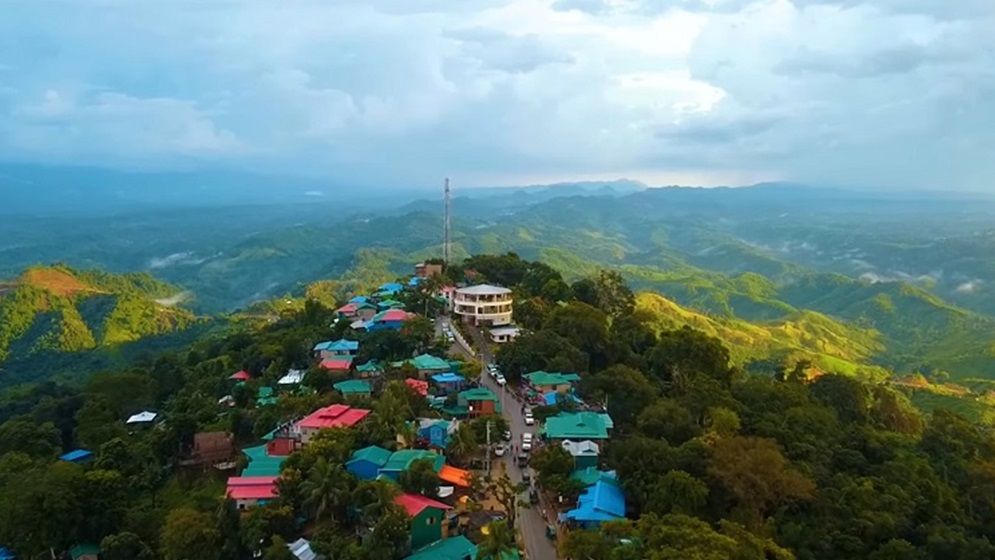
(390, 315)
(301, 549)
(390, 287)
(343, 345)
(483, 289)
(454, 476)
(83, 550)
(293, 377)
(261, 463)
(553, 397)
(428, 361)
(345, 309)
(414, 504)
(373, 454)
(503, 331)
(576, 425)
(479, 394)
(390, 303)
(448, 377)
(419, 386)
(550, 378)
(449, 425)
(6, 553)
(251, 487)
(353, 386)
(453, 548)
(588, 476)
(141, 417)
(338, 362)
(581, 448)
(333, 416)
(359, 299)
(369, 367)
(401, 460)
(602, 502)
(240, 376)
(76, 455)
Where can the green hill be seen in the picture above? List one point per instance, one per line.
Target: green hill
(59, 309)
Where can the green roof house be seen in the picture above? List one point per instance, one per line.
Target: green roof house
(365, 463)
(545, 381)
(265, 397)
(369, 369)
(261, 463)
(478, 402)
(453, 548)
(400, 461)
(576, 426)
(427, 365)
(84, 552)
(353, 388)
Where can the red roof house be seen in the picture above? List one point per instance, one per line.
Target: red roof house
(333, 416)
(426, 518)
(248, 491)
(240, 376)
(337, 363)
(418, 386)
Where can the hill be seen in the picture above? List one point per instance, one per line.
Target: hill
(56, 310)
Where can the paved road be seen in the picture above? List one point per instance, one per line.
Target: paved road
(530, 522)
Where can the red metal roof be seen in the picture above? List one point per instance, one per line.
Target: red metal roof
(415, 503)
(333, 416)
(348, 308)
(240, 375)
(337, 363)
(394, 315)
(452, 475)
(419, 386)
(252, 487)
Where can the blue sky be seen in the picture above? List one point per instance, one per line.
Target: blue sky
(875, 93)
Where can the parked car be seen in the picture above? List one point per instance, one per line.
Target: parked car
(523, 460)
(526, 441)
(527, 476)
(529, 418)
(499, 450)
(501, 380)
(507, 435)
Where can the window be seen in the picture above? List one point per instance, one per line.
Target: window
(431, 521)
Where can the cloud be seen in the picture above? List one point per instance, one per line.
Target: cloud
(856, 92)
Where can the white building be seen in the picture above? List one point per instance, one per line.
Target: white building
(484, 305)
(504, 334)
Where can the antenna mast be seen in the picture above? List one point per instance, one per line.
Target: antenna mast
(446, 242)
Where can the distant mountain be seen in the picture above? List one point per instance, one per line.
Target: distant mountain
(59, 310)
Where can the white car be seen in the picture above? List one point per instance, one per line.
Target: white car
(529, 418)
(501, 380)
(500, 450)
(526, 441)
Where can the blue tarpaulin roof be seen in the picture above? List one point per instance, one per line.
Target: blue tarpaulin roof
(76, 456)
(359, 299)
(602, 502)
(552, 397)
(390, 287)
(448, 377)
(6, 553)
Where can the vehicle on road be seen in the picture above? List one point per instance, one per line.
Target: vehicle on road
(533, 497)
(550, 532)
(522, 460)
(527, 476)
(500, 449)
(529, 418)
(526, 441)
(507, 435)
(501, 380)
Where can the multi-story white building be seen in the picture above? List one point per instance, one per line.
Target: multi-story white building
(483, 305)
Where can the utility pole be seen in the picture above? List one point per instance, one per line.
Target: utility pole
(446, 241)
(488, 447)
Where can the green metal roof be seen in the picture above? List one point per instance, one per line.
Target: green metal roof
(374, 454)
(453, 548)
(478, 394)
(429, 362)
(261, 464)
(84, 550)
(369, 367)
(550, 378)
(588, 476)
(353, 387)
(401, 460)
(576, 425)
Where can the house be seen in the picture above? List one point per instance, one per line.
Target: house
(478, 402)
(426, 365)
(7, 554)
(249, 491)
(301, 549)
(210, 449)
(78, 456)
(418, 386)
(369, 369)
(448, 382)
(428, 270)
(365, 463)
(293, 377)
(240, 376)
(585, 453)
(554, 398)
(332, 416)
(361, 310)
(576, 426)
(265, 397)
(354, 388)
(390, 319)
(84, 552)
(400, 461)
(265, 460)
(337, 364)
(604, 501)
(453, 548)
(545, 382)
(426, 518)
(389, 289)
(390, 304)
(337, 348)
(359, 299)
(142, 418)
(588, 476)
(484, 305)
(453, 476)
(436, 431)
(500, 335)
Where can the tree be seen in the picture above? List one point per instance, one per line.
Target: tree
(24, 436)
(420, 478)
(552, 461)
(847, 396)
(498, 541)
(584, 326)
(278, 550)
(668, 419)
(507, 494)
(613, 294)
(626, 390)
(682, 354)
(326, 488)
(390, 534)
(678, 492)
(188, 535)
(463, 445)
(756, 476)
(97, 423)
(125, 546)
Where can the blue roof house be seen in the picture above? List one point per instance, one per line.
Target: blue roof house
(341, 347)
(78, 456)
(448, 382)
(389, 289)
(366, 463)
(436, 431)
(602, 502)
(359, 299)
(6, 553)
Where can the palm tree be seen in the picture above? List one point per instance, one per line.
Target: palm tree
(326, 487)
(463, 444)
(498, 541)
(408, 433)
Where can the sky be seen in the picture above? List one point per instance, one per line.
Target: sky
(867, 93)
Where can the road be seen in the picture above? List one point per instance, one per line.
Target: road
(531, 524)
